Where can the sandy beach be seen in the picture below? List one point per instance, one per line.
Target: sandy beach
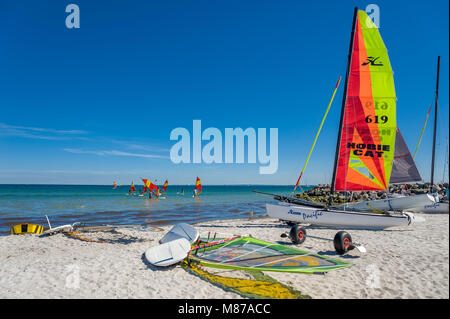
(399, 263)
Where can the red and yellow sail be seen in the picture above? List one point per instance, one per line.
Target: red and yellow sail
(132, 188)
(369, 125)
(114, 185)
(164, 187)
(198, 187)
(151, 187)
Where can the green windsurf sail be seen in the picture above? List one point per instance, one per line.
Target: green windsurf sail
(247, 253)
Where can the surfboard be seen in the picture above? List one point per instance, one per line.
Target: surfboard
(168, 253)
(181, 230)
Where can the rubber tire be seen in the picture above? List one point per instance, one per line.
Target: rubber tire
(342, 242)
(297, 234)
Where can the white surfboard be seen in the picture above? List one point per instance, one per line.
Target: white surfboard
(169, 253)
(181, 230)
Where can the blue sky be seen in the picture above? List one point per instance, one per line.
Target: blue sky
(97, 104)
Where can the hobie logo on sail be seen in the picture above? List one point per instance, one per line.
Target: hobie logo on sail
(372, 61)
(372, 150)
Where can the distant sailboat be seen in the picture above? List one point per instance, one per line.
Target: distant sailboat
(132, 189)
(198, 187)
(114, 185)
(152, 188)
(164, 187)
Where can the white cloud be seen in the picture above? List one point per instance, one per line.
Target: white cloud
(112, 152)
(38, 132)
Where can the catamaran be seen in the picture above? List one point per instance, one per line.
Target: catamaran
(404, 170)
(365, 157)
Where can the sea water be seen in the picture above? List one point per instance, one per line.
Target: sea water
(100, 204)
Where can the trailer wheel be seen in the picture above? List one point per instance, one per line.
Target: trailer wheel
(297, 234)
(342, 242)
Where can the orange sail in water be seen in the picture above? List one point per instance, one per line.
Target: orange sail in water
(198, 187)
(151, 187)
(114, 185)
(164, 187)
(367, 137)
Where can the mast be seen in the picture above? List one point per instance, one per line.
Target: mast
(445, 163)
(435, 122)
(344, 97)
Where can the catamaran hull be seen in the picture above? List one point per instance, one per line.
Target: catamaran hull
(338, 219)
(408, 203)
(436, 208)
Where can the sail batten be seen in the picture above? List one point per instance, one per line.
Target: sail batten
(367, 137)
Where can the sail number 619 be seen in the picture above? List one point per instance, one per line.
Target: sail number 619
(375, 119)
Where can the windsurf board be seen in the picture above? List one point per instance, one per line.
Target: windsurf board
(181, 230)
(168, 253)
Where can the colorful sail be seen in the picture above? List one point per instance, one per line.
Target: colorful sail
(164, 187)
(247, 253)
(114, 185)
(151, 187)
(198, 187)
(132, 188)
(404, 169)
(366, 146)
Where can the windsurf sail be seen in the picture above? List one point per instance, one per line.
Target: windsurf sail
(404, 169)
(367, 137)
(151, 187)
(317, 135)
(198, 187)
(164, 187)
(261, 286)
(247, 253)
(132, 188)
(114, 185)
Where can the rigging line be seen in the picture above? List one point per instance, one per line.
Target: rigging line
(421, 133)
(317, 135)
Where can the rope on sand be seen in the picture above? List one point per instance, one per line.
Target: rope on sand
(117, 237)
